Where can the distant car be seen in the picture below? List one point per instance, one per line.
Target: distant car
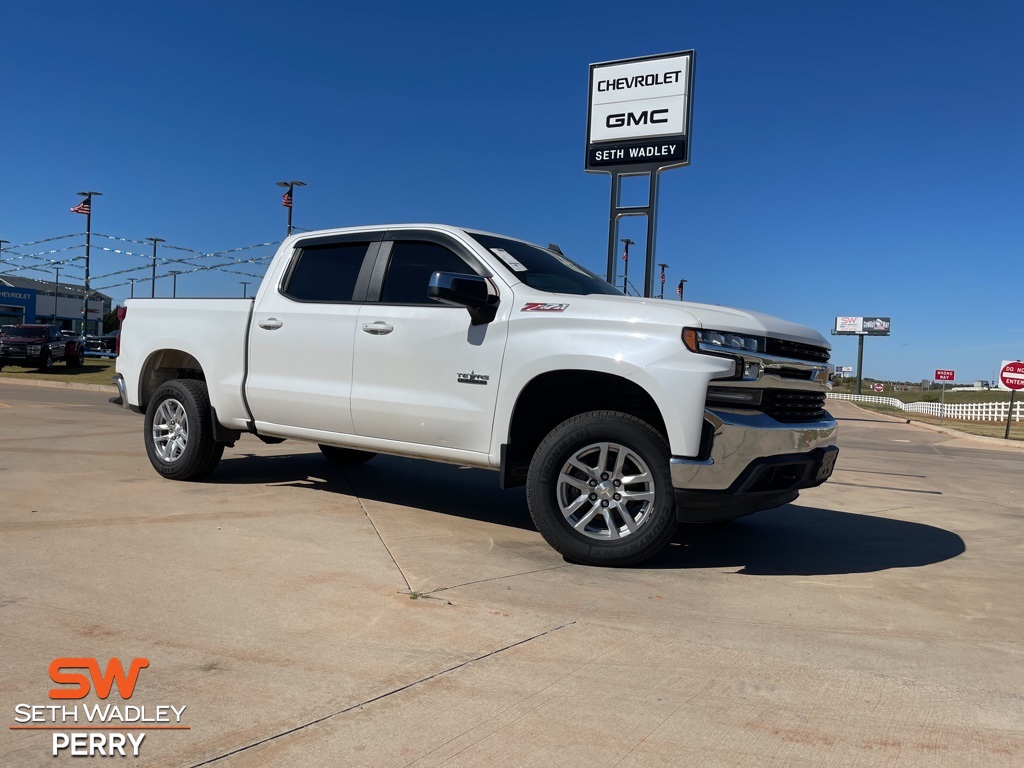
(105, 345)
(39, 346)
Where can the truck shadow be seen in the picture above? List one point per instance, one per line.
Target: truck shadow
(430, 486)
(797, 540)
(792, 540)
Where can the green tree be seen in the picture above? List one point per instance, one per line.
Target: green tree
(110, 321)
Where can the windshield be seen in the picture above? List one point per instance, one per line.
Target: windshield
(543, 269)
(11, 331)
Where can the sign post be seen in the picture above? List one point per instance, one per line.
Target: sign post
(943, 375)
(1011, 377)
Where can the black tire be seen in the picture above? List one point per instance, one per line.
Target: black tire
(179, 431)
(345, 457)
(46, 364)
(76, 361)
(633, 445)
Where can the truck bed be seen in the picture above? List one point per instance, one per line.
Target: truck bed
(213, 331)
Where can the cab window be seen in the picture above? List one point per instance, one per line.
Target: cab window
(410, 267)
(325, 273)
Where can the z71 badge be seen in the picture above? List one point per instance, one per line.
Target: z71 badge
(536, 306)
(472, 378)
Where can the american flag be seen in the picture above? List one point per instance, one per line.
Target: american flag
(662, 277)
(625, 255)
(679, 289)
(286, 199)
(83, 207)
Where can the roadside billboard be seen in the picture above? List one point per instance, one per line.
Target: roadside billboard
(862, 326)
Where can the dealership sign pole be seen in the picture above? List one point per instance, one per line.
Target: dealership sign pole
(1011, 377)
(638, 124)
(943, 375)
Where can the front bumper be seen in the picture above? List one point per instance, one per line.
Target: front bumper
(20, 358)
(753, 463)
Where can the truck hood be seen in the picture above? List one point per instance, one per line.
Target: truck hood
(729, 319)
(685, 313)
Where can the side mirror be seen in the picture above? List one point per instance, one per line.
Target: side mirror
(469, 291)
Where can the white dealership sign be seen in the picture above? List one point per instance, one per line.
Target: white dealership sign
(639, 111)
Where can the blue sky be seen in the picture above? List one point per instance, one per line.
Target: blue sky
(847, 158)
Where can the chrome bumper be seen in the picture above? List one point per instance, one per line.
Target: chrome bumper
(743, 441)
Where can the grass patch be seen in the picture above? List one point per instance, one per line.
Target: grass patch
(980, 428)
(97, 370)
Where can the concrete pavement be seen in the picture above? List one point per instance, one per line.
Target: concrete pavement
(402, 613)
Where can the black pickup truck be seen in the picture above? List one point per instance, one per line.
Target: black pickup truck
(39, 346)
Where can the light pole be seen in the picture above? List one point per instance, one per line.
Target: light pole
(2, 245)
(86, 208)
(132, 281)
(663, 268)
(174, 276)
(286, 198)
(625, 270)
(245, 288)
(56, 286)
(152, 287)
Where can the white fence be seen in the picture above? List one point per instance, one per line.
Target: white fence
(963, 411)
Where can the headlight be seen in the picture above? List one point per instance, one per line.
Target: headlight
(718, 342)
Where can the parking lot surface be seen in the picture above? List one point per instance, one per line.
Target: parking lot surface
(404, 613)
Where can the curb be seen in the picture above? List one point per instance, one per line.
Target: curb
(60, 385)
(995, 441)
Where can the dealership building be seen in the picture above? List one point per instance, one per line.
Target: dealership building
(24, 300)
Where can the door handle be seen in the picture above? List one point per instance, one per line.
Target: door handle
(379, 328)
(270, 324)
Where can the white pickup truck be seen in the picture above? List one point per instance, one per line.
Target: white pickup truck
(622, 416)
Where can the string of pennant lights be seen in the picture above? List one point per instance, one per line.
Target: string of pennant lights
(14, 260)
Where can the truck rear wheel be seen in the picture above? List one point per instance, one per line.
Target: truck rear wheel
(345, 457)
(600, 491)
(179, 431)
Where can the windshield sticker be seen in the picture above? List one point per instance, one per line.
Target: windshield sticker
(536, 306)
(509, 259)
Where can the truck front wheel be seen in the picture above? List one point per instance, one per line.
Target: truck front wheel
(179, 431)
(600, 491)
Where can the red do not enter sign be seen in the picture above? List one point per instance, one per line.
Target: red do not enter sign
(1012, 375)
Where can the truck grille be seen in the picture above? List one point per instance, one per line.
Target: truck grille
(791, 406)
(797, 350)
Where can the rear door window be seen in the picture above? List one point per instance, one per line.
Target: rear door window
(326, 273)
